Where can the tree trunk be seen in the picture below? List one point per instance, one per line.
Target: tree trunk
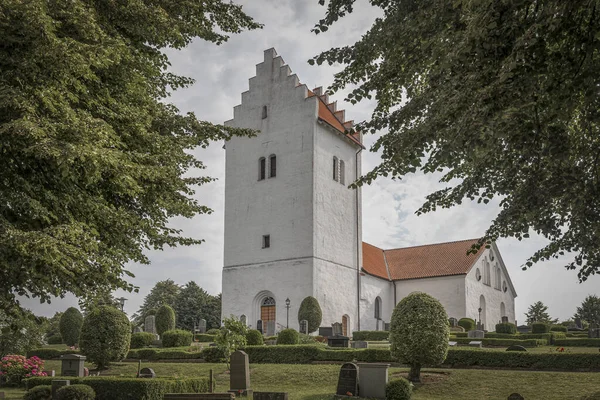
(414, 374)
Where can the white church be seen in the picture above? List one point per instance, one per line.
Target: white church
(293, 227)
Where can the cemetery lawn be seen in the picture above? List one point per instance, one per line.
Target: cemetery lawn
(312, 382)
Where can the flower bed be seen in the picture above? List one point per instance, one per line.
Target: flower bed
(14, 368)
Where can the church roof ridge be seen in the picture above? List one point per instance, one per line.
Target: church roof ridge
(429, 244)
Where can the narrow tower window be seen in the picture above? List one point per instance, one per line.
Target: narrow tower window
(342, 172)
(264, 112)
(266, 241)
(272, 166)
(262, 168)
(335, 169)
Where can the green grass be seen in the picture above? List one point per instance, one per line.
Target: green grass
(311, 382)
(551, 349)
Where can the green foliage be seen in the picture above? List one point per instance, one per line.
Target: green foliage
(46, 353)
(141, 339)
(52, 330)
(75, 392)
(102, 297)
(231, 337)
(189, 304)
(288, 336)
(165, 319)
(212, 331)
(578, 342)
(176, 338)
(558, 328)
(589, 310)
(157, 354)
(506, 327)
(54, 339)
(467, 323)
(460, 88)
(20, 331)
(549, 337)
(254, 338)
(70, 326)
(370, 335)
(95, 162)
(419, 332)
(105, 336)
(537, 312)
(310, 310)
(40, 392)
(502, 342)
(540, 327)
(398, 389)
(118, 388)
(204, 338)
(211, 312)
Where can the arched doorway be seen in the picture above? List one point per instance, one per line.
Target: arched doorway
(267, 309)
(502, 310)
(482, 313)
(377, 312)
(345, 325)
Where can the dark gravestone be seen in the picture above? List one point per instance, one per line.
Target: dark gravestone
(259, 326)
(72, 365)
(57, 384)
(516, 396)
(516, 347)
(348, 380)
(505, 320)
(338, 341)
(147, 373)
(199, 396)
(386, 326)
(270, 396)
(453, 322)
(523, 329)
(304, 327)
(239, 375)
(325, 331)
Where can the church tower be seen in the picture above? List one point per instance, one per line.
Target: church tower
(292, 225)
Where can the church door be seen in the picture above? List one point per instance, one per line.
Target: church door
(267, 314)
(345, 325)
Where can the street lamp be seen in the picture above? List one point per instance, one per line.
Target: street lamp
(122, 302)
(479, 309)
(287, 306)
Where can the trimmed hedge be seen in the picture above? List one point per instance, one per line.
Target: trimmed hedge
(558, 328)
(40, 392)
(288, 337)
(540, 327)
(160, 354)
(504, 342)
(176, 338)
(370, 336)
(49, 354)
(577, 342)
(398, 389)
(55, 339)
(506, 327)
(467, 323)
(115, 388)
(310, 310)
(204, 338)
(254, 337)
(141, 339)
(549, 337)
(164, 319)
(75, 392)
(212, 331)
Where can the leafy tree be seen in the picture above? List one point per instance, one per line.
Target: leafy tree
(94, 161)
(105, 336)
(500, 97)
(52, 328)
(70, 326)
(189, 304)
(310, 310)
(211, 312)
(164, 292)
(20, 331)
(165, 319)
(589, 310)
(419, 333)
(538, 313)
(231, 337)
(101, 298)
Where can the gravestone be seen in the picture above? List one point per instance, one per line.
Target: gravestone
(453, 322)
(239, 374)
(359, 344)
(325, 331)
(57, 384)
(578, 323)
(505, 320)
(304, 327)
(72, 365)
(147, 373)
(259, 326)
(199, 396)
(475, 343)
(150, 325)
(452, 344)
(372, 380)
(270, 396)
(523, 329)
(270, 328)
(202, 326)
(516, 347)
(477, 334)
(337, 329)
(348, 380)
(338, 341)
(515, 396)
(386, 326)
(457, 329)
(138, 329)
(243, 319)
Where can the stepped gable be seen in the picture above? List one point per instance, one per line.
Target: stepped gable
(427, 261)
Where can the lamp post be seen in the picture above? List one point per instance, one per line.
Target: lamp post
(122, 302)
(287, 306)
(479, 309)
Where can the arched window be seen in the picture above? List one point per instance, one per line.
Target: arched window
(498, 278)
(272, 166)
(486, 272)
(335, 169)
(378, 307)
(264, 112)
(342, 172)
(262, 168)
(502, 310)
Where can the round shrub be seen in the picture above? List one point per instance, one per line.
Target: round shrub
(467, 323)
(75, 392)
(105, 336)
(212, 331)
(419, 333)
(70, 326)
(177, 338)
(506, 327)
(40, 392)
(310, 310)
(558, 328)
(141, 339)
(540, 327)
(55, 339)
(165, 319)
(288, 336)
(254, 337)
(398, 389)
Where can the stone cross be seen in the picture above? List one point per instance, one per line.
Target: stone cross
(239, 373)
(150, 324)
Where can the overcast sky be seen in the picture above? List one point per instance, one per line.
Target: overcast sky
(222, 73)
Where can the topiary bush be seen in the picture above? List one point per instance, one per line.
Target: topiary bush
(105, 336)
(75, 392)
(55, 339)
(310, 310)
(165, 319)
(398, 389)
(204, 338)
(212, 331)
(506, 327)
(176, 338)
(254, 338)
(558, 328)
(141, 339)
(370, 336)
(419, 333)
(288, 336)
(70, 326)
(540, 327)
(467, 323)
(39, 392)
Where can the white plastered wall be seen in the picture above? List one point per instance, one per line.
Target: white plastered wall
(371, 288)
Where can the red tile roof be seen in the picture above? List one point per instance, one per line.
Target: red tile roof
(441, 259)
